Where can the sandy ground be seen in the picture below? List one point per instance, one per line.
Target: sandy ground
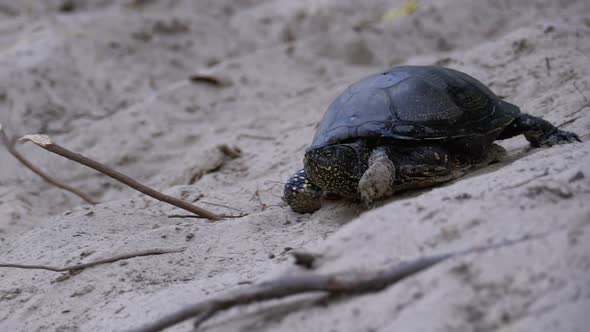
(109, 79)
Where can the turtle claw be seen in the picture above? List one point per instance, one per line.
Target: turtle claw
(560, 137)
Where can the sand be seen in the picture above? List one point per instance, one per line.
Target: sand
(109, 79)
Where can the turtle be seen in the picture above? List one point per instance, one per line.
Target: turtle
(407, 128)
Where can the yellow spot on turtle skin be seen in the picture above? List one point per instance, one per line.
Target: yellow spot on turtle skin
(439, 168)
(446, 158)
(294, 188)
(436, 156)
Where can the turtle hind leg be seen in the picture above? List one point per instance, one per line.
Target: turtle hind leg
(395, 168)
(537, 131)
(427, 166)
(301, 194)
(494, 154)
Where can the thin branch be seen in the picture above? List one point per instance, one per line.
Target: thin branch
(337, 283)
(12, 150)
(219, 205)
(211, 79)
(584, 105)
(580, 92)
(287, 286)
(565, 123)
(259, 137)
(45, 142)
(527, 181)
(149, 252)
(580, 109)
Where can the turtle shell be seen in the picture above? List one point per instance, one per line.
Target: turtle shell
(416, 103)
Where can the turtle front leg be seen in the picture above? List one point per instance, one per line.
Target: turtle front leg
(301, 194)
(377, 181)
(538, 132)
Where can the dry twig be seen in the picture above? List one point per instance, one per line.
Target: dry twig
(337, 283)
(581, 108)
(260, 137)
(527, 181)
(45, 142)
(149, 252)
(220, 205)
(12, 150)
(209, 78)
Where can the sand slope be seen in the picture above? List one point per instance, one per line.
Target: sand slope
(109, 80)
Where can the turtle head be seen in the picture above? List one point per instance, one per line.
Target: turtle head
(337, 168)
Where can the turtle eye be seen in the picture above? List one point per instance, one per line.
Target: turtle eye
(328, 153)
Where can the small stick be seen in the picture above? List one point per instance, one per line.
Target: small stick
(581, 108)
(260, 137)
(219, 205)
(580, 92)
(337, 283)
(565, 123)
(149, 252)
(527, 181)
(45, 142)
(12, 150)
(210, 79)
